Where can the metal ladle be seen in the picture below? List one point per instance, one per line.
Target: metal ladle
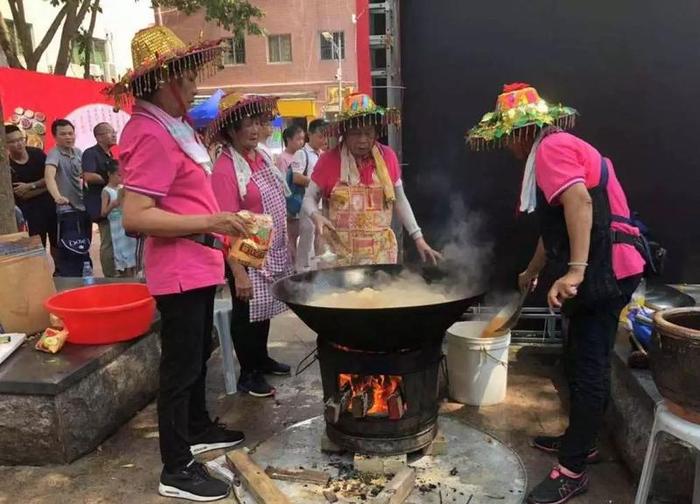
(507, 317)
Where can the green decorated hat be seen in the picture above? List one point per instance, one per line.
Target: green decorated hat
(359, 110)
(520, 113)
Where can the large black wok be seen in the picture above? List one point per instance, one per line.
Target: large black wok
(381, 330)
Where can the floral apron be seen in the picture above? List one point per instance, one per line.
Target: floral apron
(278, 263)
(362, 220)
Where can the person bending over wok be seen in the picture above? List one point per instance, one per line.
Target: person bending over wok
(587, 240)
(360, 182)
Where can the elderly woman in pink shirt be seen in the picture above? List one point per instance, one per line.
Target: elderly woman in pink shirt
(244, 179)
(168, 198)
(589, 242)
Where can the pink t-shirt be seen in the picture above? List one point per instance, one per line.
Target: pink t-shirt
(154, 165)
(563, 160)
(327, 171)
(284, 159)
(225, 185)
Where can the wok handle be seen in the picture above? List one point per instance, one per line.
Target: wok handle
(306, 365)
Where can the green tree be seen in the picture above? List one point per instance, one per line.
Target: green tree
(237, 16)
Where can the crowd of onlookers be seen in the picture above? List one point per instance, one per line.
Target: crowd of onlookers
(61, 194)
(297, 161)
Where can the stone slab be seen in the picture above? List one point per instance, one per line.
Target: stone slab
(379, 464)
(28, 371)
(40, 429)
(437, 447)
(479, 469)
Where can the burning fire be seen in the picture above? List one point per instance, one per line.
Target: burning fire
(379, 387)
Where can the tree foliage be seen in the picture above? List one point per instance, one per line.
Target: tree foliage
(236, 16)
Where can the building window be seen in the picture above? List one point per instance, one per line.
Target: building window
(279, 48)
(328, 50)
(98, 55)
(14, 37)
(234, 54)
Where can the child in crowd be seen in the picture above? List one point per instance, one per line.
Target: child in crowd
(124, 246)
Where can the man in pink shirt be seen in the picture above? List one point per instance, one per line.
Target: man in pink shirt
(169, 199)
(587, 239)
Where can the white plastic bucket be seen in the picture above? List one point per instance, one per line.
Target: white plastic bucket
(477, 367)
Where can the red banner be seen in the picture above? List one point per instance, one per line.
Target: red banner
(33, 100)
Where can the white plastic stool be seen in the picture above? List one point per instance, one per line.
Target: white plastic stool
(665, 421)
(222, 324)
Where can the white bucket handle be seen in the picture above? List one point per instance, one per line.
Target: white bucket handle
(498, 361)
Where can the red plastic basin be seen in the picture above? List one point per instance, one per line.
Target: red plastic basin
(103, 314)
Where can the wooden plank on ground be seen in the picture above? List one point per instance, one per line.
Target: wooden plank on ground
(256, 482)
(398, 489)
(304, 475)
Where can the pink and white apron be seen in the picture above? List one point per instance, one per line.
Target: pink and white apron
(278, 263)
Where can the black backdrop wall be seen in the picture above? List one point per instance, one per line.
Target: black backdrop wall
(631, 68)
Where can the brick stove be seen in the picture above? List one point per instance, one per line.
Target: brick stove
(380, 402)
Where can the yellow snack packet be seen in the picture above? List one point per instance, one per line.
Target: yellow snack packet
(252, 251)
(51, 340)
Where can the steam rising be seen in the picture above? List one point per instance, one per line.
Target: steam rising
(467, 254)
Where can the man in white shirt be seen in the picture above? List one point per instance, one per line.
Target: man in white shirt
(303, 164)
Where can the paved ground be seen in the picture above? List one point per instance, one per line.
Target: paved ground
(125, 468)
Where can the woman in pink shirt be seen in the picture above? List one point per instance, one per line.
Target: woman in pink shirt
(168, 198)
(360, 184)
(244, 179)
(587, 239)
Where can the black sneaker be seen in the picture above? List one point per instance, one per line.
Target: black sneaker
(276, 368)
(552, 444)
(255, 384)
(192, 482)
(558, 488)
(216, 437)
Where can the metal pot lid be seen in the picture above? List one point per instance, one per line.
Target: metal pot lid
(663, 297)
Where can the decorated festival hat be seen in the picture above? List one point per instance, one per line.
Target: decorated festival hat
(159, 56)
(359, 110)
(235, 106)
(520, 113)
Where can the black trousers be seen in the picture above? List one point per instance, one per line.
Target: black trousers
(186, 344)
(42, 220)
(249, 338)
(591, 337)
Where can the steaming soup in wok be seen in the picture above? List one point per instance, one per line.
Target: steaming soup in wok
(395, 295)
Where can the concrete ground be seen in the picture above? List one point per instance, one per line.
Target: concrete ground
(126, 467)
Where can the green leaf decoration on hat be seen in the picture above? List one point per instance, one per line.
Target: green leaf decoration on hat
(518, 107)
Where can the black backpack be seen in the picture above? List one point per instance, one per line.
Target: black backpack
(652, 251)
